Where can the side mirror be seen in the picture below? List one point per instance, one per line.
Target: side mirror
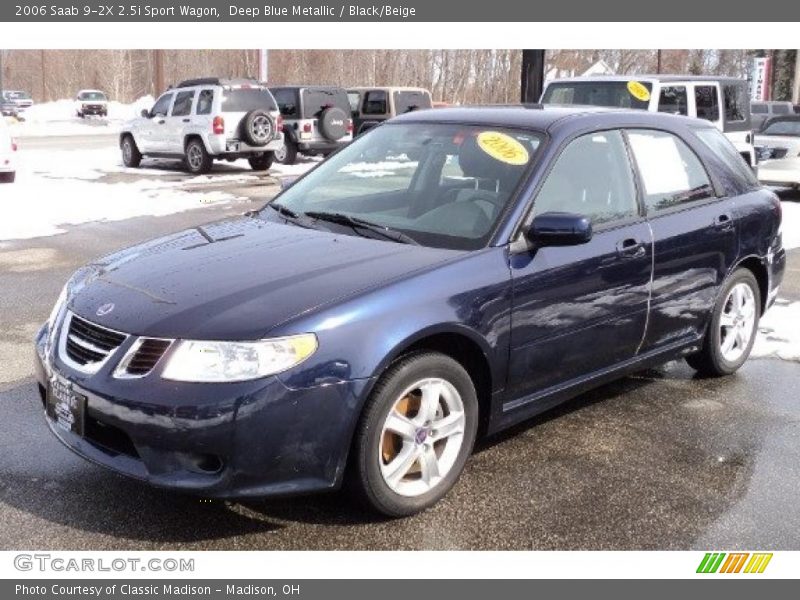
(560, 229)
(145, 113)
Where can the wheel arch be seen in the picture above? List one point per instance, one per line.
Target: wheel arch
(756, 266)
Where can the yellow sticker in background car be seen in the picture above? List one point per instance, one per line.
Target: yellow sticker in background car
(638, 91)
(503, 147)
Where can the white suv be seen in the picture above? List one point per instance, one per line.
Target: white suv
(8, 151)
(205, 119)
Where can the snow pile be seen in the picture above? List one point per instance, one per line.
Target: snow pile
(791, 224)
(60, 118)
(779, 332)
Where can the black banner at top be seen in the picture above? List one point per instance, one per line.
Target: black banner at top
(395, 11)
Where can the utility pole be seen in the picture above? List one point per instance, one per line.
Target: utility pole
(796, 84)
(658, 62)
(263, 66)
(532, 79)
(159, 84)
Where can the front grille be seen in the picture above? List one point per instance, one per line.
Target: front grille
(88, 344)
(146, 356)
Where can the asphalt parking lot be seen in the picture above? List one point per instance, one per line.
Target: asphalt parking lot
(660, 460)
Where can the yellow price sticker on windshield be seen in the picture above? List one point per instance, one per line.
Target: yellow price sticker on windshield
(503, 147)
(639, 91)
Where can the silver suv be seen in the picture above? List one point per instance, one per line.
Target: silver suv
(201, 120)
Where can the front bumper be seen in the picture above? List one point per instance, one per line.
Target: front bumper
(780, 172)
(249, 439)
(93, 110)
(220, 145)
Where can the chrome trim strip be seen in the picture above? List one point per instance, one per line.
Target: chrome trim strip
(89, 368)
(87, 345)
(121, 372)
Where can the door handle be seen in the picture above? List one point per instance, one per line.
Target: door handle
(724, 221)
(187, 120)
(631, 248)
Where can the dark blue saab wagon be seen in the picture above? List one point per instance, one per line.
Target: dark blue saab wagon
(452, 272)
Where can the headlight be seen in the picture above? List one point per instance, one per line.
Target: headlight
(208, 362)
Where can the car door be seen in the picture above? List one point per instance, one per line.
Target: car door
(152, 131)
(694, 236)
(578, 310)
(178, 121)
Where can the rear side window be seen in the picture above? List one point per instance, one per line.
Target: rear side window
(727, 153)
(183, 104)
(247, 99)
(673, 100)
(758, 109)
(316, 100)
(735, 103)
(670, 171)
(705, 99)
(781, 109)
(205, 102)
(161, 107)
(408, 101)
(375, 103)
(287, 102)
(592, 177)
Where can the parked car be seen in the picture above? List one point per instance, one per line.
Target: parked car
(91, 102)
(450, 273)
(8, 154)
(724, 101)
(21, 99)
(8, 108)
(371, 106)
(316, 120)
(778, 147)
(202, 120)
(761, 112)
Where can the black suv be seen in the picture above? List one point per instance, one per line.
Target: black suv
(316, 120)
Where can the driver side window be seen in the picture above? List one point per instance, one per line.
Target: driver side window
(592, 177)
(161, 107)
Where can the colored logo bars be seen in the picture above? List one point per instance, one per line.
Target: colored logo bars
(734, 562)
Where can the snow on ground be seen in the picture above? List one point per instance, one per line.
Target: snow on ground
(59, 118)
(779, 332)
(791, 224)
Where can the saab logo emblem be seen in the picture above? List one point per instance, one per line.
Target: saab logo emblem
(734, 562)
(105, 309)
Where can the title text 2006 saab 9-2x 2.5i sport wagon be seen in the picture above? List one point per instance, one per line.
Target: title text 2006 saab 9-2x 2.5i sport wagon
(450, 273)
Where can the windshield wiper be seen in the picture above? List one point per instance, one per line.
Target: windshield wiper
(283, 210)
(356, 223)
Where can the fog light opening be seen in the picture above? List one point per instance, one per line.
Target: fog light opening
(207, 464)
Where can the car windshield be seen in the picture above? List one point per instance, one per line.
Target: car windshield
(99, 96)
(616, 94)
(783, 128)
(441, 185)
(247, 99)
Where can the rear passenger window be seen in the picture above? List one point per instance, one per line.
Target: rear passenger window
(287, 102)
(727, 153)
(375, 103)
(183, 104)
(705, 98)
(670, 171)
(205, 102)
(735, 103)
(593, 178)
(673, 100)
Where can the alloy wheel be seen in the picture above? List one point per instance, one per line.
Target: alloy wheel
(737, 322)
(194, 156)
(261, 128)
(421, 437)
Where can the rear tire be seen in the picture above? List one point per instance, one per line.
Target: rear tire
(415, 434)
(261, 162)
(287, 155)
(733, 327)
(197, 159)
(131, 157)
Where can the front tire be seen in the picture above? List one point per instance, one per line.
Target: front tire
(261, 162)
(415, 434)
(732, 331)
(197, 159)
(8, 177)
(131, 157)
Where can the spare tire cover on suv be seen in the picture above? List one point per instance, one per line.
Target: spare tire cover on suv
(333, 123)
(258, 128)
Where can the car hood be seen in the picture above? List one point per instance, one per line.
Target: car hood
(236, 280)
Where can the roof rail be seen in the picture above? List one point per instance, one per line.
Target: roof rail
(217, 81)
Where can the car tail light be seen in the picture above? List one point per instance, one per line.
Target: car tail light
(279, 123)
(349, 125)
(13, 145)
(219, 125)
(306, 127)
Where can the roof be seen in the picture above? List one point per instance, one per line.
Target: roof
(218, 81)
(290, 86)
(545, 117)
(651, 77)
(388, 88)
